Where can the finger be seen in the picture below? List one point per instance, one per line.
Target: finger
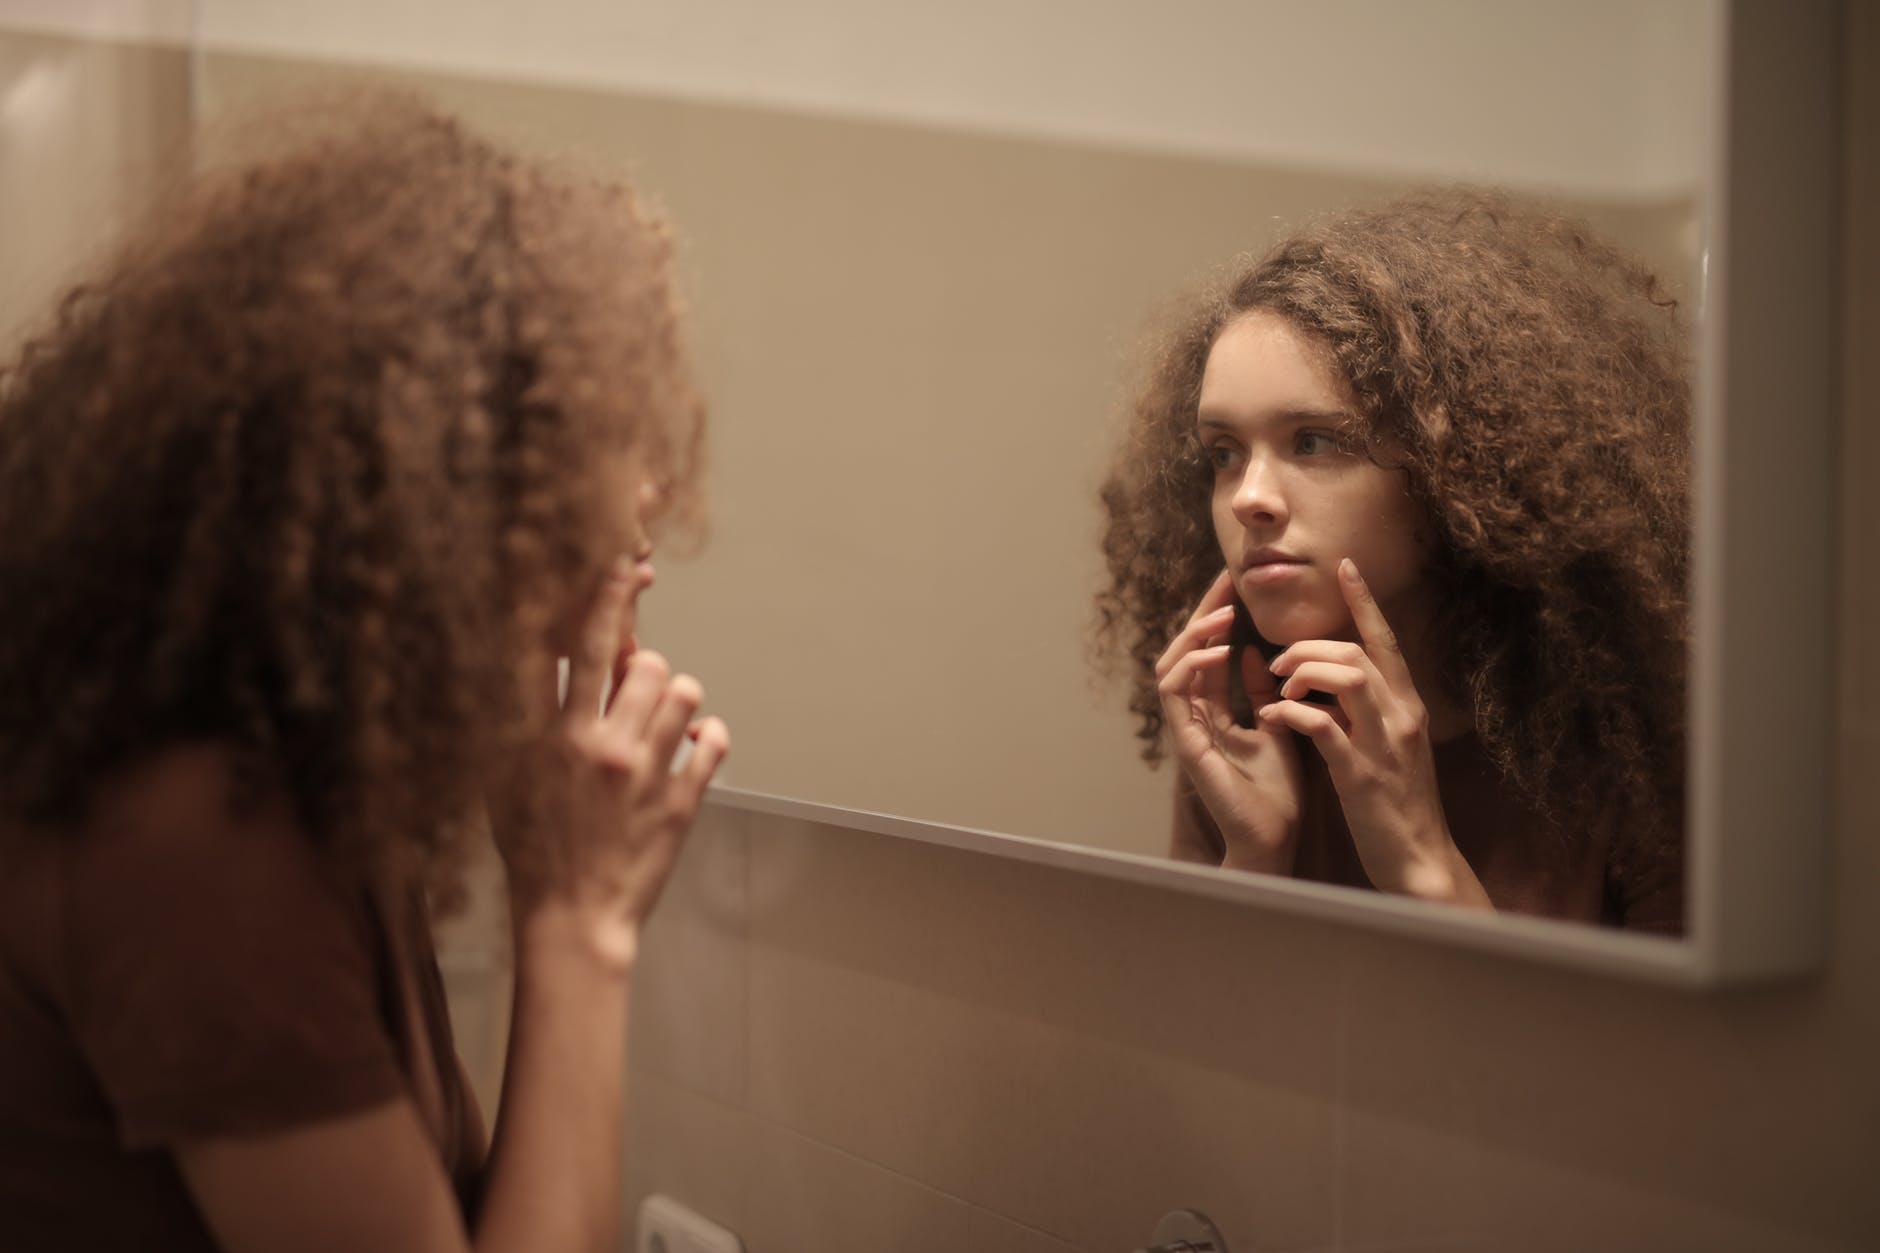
(600, 637)
(624, 648)
(618, 676)
(1323, 652)
(1180, 679)
(1336, 652)
(1379, 640)
(625, 654)
(1355, 687)
(711, 740)
(639, 692)
(1195, 691)
(1321, 726)
(1201, 630)
(1213, 616)
(1208, 628)
(1220, 593)
(666, 727)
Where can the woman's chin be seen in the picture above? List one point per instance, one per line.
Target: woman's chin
(1286, 629)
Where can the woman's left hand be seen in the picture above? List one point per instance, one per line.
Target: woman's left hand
(1376, 744)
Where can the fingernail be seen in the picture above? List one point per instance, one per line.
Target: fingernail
(1349, 569)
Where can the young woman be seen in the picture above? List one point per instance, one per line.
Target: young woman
(1398, 550)
(301, 499)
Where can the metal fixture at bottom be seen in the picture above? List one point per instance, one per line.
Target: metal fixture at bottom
(1186, 1231)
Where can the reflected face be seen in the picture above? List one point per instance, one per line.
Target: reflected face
(1291, 498)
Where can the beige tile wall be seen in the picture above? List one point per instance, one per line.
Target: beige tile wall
(851, 1043)
(87, 129)
(925, 1042)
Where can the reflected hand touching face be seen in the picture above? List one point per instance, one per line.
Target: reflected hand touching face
(1375, 740)
(1298, 513)
(1291, 497)
(1248, 777)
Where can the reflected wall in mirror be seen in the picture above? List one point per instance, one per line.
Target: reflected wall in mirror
(923, 257)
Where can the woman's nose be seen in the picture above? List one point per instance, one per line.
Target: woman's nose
(1260, 500)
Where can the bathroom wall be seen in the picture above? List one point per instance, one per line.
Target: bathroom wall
(845, 1042)
(86, 129)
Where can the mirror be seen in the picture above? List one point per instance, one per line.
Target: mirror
(923, 248)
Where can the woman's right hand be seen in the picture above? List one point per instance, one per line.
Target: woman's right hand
(1248, 777)
(615, 810)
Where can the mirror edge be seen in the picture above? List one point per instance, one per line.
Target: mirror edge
(1765, 584)
(1569, 944)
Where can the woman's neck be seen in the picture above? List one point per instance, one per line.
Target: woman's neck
(1450, 717)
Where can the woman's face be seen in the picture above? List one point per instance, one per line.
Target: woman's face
(635, 503)
(1291, 499)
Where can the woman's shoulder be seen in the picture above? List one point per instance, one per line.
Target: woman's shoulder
(194, 828)
(195, 802)
(189, 784)
(214, 968)
(185, 805)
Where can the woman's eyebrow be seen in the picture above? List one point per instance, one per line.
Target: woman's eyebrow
(1282, 417)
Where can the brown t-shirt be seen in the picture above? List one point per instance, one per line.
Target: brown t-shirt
(182, 969)
(1526, 865)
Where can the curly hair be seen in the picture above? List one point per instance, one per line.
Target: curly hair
(1531, 381)
(307, 464)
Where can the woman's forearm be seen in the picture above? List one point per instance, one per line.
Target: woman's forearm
(555, 1160)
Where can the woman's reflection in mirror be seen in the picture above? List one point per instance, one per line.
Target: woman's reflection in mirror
(1398, 547)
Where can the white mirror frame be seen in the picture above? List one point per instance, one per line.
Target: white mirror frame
(1765, 549)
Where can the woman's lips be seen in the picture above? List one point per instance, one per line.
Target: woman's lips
(1263, 573)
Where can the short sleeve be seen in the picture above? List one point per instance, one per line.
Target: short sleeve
(219, 980)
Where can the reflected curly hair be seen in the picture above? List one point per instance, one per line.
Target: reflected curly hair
(1532, 382)
(309, 465)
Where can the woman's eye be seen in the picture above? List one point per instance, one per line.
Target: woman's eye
(1221, 457)
(1316, 443)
